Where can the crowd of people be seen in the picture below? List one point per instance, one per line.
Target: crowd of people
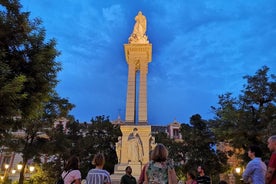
(160, 169)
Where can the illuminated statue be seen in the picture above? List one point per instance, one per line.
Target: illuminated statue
(139, 31)
(135, 147)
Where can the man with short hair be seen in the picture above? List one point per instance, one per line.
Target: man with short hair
(128, 178)
(270, 177)
(256, 168)
(202, 178)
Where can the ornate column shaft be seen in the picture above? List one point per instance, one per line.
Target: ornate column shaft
(138, 56)
(143, 115)
(131, 94)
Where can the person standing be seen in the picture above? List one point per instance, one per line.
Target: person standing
(128, 178)
(71, 173)
(270, 177)
(255, 170)
(98, 175)
(160, 169)
(202, 178)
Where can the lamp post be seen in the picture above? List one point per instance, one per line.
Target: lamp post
(24, 169)
(238, 171)
(6, 170)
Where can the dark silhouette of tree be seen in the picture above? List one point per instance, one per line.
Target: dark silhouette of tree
(29, 67)
(250, 118)
(200, 146)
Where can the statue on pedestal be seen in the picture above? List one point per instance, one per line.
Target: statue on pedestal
(119, 148)
(135, 147)
(152, 143)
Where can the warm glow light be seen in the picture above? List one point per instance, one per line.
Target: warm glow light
(238, 170)
(2, 177)
(32, 168)
(19, 166)
(13, 171)
(7, 166)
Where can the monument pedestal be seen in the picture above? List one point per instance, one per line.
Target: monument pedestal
(144, 132)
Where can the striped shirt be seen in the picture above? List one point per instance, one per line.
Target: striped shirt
(98, 176)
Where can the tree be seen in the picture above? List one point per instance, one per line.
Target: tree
(29, 71)
(248, 119)
(200, 149)
(101, 137)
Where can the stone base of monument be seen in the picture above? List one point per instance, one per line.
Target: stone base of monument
(119, 171)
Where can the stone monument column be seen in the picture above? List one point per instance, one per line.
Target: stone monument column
(131, 94)
(138, 53)
(133, 147)
(143, 94)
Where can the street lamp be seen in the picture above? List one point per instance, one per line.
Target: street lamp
(238, 170)
(19, 166)
(6, 170)
(31, 168)
(13, 171)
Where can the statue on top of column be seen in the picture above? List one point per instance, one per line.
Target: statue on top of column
(139, 31)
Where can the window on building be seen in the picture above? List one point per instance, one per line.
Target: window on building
(175, 133)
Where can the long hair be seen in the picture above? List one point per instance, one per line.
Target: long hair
(72, 164)
(160, 153)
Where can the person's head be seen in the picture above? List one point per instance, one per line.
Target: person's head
(190, 175)
(128, 170)
(159, 153)
(254, 151)
(135, 131)
(222, 182)
(271, 143)
(201, 169)
(98, 160)
(72, 163)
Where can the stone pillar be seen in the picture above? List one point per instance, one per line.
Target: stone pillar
(137, 56)
(143, 114)
(144, 132)
(131, 94)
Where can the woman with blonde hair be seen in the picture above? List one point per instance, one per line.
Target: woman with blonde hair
(98, 175)
(160, 169)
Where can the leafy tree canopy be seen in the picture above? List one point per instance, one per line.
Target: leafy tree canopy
(248, 119)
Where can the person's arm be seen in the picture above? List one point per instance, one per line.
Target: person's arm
(142, 175)
(108, 179)
(247, 173)
(146, 181)
(269, 173)
(172, 176)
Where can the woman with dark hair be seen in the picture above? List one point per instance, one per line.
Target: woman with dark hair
(191, 179)
(160, 169)
(71, 173)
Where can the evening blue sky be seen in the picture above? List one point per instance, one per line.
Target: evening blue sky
(201, 49)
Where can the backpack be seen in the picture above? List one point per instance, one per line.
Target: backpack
(61, 179)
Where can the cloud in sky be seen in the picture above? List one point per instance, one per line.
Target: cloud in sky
(201, 49)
